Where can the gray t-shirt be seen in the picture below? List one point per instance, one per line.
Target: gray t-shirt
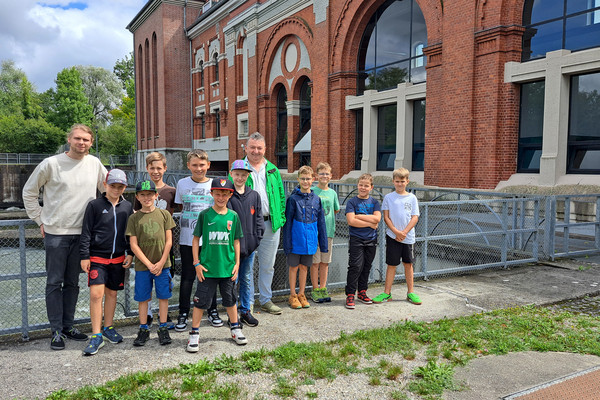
(260, 185)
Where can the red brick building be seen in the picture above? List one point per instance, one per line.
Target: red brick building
(464, 93)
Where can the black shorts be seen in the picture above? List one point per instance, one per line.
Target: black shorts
(110, 275)
(396, 252)
(294, 260)
(206, 290)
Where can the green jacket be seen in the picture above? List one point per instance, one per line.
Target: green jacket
(275, 193)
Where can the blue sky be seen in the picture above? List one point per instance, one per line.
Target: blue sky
(43, 37)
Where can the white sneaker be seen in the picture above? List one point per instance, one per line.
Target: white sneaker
(192, 346)
(237, 335)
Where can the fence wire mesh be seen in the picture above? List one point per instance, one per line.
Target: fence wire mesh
(456, 233)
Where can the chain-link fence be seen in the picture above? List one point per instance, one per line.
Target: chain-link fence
(456, 233)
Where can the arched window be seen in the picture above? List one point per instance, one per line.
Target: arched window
(559, 24)
(216, 67)
(281, 141)
(201, 73)
(304, 109)
(391, 49)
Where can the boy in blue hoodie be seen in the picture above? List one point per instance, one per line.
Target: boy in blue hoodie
(247, 204)
(103, 247)
(303, 230)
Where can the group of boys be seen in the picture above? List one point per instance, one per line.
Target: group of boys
(310, 227)
(215, 242)
(222, 224)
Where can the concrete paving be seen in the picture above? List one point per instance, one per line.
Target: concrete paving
(35, 370)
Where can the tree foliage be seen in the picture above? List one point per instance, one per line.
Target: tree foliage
(103, 90)
(123, 69)
(69, 104)
(29, 135)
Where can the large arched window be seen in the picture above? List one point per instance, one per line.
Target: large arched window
(281, 140)
(391, 49)
(559, 24)
(304, 109)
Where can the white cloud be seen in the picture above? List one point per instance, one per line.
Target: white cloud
(43, 37)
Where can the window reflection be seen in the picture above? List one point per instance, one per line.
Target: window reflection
(391, 49)
(584, 124)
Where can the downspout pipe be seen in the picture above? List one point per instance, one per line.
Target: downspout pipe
(191, 77)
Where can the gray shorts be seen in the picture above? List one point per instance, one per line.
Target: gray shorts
(294, 260)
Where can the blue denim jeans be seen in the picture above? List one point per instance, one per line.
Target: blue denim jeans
(266, 252)
(246, 282)
(63, 265)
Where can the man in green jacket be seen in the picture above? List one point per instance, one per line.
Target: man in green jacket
(266, 180)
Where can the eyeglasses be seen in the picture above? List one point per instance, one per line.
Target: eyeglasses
(324, 174)
(305, 179)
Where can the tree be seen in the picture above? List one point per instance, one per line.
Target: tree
(33, 135)
(102, 89)
(69, 104)
(123, 69)
(10, 88)
(119, 137)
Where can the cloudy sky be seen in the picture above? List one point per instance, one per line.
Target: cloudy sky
(43, 37)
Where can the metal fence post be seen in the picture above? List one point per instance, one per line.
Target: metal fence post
(24, 297)
(597, 223)
(424, 255)
(505, 238)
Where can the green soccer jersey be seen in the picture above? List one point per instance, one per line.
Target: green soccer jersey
(218, 232)
(330, 204)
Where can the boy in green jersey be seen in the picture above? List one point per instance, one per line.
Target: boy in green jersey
(218, 262)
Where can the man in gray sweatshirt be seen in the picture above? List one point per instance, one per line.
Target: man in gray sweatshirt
(70, 180)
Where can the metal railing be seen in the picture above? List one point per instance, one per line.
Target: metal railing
(22, 158)
(453, 237)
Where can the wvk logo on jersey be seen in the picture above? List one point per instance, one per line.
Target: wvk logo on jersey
(218, 238)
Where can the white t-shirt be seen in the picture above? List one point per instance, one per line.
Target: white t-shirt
(194, 197)
(401, 209)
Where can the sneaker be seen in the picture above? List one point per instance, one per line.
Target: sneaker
(74, 334)
(214, 319)
(350, 302)
(325, 294)
(294, 302)
(316, 295)
(95, 344)
(380, 298)
(193, 342)
(362, 296)
(271, 308)
(303, 301)
(248, 319)
(142, 337)
(237, 335)
(149, 320)
(181, 322)
(163, 336)
(112, 335)
(58, 341)
(413, 298)
(170, 325)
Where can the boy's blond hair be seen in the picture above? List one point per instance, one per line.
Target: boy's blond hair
(366, 177)
(199, 153)
(305, 169)
(323, 165)
(156, 156)
(400, 173)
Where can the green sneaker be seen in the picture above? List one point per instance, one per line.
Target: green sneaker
(380, 298)
(316, 295)
(325, 293)
(413, 298)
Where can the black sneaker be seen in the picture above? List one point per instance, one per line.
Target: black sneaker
(163, 336)
(214, 319)
(57, 342)
(75, 334)
(181, 322)
(142, 337)
(248, 319)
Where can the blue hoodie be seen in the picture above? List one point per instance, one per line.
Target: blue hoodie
(304, 226)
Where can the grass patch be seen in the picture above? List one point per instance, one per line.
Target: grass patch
(446, 344)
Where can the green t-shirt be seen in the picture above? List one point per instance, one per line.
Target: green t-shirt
(330, 204)
(218, 232)
(149, 229)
